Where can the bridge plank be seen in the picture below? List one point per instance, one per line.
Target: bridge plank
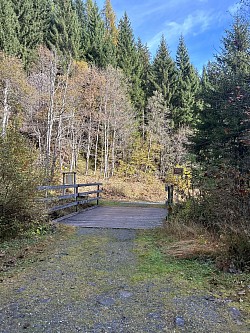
(119, 218)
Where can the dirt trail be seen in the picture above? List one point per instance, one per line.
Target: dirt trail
(86, 285)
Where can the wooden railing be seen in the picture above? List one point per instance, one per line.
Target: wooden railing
(76, 198)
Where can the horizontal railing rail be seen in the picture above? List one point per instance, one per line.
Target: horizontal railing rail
(79, 198)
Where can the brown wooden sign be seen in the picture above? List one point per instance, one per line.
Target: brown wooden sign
(178, 171)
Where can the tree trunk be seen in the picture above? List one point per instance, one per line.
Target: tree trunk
(96, 146)
(89, 144)
(6, 107)
(50, 117)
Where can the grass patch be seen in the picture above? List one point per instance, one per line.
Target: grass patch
(118, 203)
(155, 260)
(29, 248)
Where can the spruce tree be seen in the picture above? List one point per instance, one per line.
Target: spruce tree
(94, 35)
(64, 31)
(30, 33)
(80, 12)
(128, 59)
(223, 132)
(111, 34)
(185, 98)
(144, 68)
(9, 28)
(164, 73)
(235, 50)
(126, 49)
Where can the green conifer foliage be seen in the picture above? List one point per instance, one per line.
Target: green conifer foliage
(235, 52)
(126, 50)
(64, 33)
(30, 33)
(129, 60)
(80, 12)
(9, 28)
(223, 133)
(164, 73)
(185, 99)
(94, 35)
(111, 34)
(144, 67)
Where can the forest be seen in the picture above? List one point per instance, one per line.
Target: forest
(77, 89)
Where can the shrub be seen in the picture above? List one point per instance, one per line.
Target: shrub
(222, 210)
(19, 177)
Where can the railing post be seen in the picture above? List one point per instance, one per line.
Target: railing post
(98, 194)
(76, 194)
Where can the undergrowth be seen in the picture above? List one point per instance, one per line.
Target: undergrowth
(223, 219)
(30, 246)
(156, 259)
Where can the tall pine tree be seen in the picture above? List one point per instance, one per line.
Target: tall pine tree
(64, 31)
(185, 99)
(128, 59)
(9, 28)
(223, 134)
(111, 34)
(30, 33)
(164, 73)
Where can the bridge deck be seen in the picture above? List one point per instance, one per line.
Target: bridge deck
(118, 218)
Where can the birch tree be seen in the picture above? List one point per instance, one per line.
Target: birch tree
(14, 89)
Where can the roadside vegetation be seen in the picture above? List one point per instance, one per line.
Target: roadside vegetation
(191, 265)
(99, 105)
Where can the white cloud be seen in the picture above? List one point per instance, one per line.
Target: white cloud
(194, 24)
(142, 11)
(233, 9)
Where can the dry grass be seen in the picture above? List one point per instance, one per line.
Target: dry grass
(119, 189)
(193, 248)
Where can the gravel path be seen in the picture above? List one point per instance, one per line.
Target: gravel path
(86, 286)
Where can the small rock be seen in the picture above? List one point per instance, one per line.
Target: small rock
(125, 294)
(235, 313)
(154, 315)
(20, 290)
(108, 301)
(179, 321)
(45, 300)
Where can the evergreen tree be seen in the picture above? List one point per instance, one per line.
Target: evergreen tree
(9, 28)
(111, 34)
(94, 35)
(128, 59)
(223, 133)
(185, 98)
(235, 52)
(80, 12)
(144, 68)
(126, 49)
(30, 33)
(64, 31)
(164, 73)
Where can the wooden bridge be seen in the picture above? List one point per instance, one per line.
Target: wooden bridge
(123, 216)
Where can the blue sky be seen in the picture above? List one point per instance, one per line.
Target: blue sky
(201, 22)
